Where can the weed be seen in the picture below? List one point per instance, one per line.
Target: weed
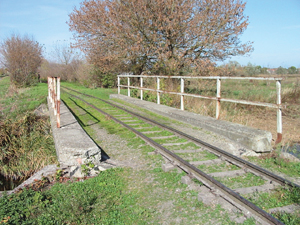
(58, 174)
(276, 198)
(275, 162)
(75, 203)
(26, 142)
(246, 180)
(220, 168)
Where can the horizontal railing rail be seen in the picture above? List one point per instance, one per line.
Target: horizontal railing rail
(218, 98)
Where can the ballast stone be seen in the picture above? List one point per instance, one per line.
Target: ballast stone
(254, 139)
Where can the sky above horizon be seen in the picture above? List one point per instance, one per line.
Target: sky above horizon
(274, 27)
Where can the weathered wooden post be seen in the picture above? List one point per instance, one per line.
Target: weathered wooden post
(118, 85)
(141, 80)
(279, 112)
(158, 93)
(54, 96)
(182, 91)
(58, 103)
(128, 84)
(218, 106)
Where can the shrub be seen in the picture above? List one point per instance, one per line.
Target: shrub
(22, 57)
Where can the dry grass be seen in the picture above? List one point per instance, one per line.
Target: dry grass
(253, 90)
(26, 145)
(258, 117)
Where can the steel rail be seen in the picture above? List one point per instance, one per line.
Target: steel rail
(227, 156)
(194, 171)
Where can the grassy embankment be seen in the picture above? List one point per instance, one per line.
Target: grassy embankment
(25, 139)
(99, 200)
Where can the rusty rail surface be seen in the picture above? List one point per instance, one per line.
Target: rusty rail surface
(218, 98)
(227, 193)
(54, 96)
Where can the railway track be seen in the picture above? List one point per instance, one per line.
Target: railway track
(190, 154)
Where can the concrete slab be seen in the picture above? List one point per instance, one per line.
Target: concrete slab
(254, 139)
(73, 146)
(286, 209)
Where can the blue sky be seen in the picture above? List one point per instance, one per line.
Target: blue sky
(274, 27)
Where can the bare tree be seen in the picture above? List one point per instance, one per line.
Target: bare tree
(161, 36)
(63, 53)
(21, 56)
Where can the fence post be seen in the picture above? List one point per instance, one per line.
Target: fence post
(128, 84)
(49, 93)
(158, 93)
(218, 106)
(54, 96)
(182, 91)
(279, 112)
(50, 90)
(118, 85)
(141, 89)
(58, 103)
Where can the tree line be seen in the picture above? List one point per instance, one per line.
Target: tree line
(233, 68)
(155, 37)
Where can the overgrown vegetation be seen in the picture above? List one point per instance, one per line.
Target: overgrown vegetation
(275, 162)
(99, 200)
(26, 141)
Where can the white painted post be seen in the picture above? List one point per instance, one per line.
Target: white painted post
(158, 93)
(118, 85)
(182, 91)
(141, 87)
(279, 112)
(49, 89)
(218, 105)
(128, 84)
(58, 103)
(54, 95)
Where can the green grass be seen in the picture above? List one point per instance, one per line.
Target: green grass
(275, 162)
(171, 190)
(197, 156)
(170, 140)
(247, 180)
(278, 198)
(188, 146)
(220, 168)
(179, 196)
(26, 141)
(160, 134)
(99, 200)
(19, 101)
(97, 92)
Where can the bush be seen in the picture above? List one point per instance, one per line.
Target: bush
(22, 57)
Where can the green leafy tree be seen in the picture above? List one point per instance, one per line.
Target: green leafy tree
(292, 70)
(21, 56)
(264, 70)
(280, 70)
(252, 70)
